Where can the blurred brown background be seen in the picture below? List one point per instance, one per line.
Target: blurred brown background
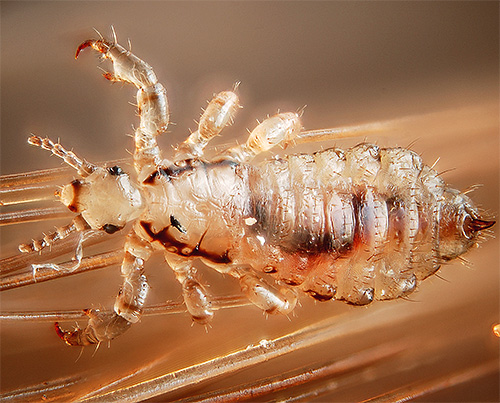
(349, 62)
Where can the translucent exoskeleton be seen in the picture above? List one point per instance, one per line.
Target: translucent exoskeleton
(358, 225)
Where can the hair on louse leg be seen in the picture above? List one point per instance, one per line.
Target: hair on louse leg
(153, 112)
(439, 276)
(465, 262)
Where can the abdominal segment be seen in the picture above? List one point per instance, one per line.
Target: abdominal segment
(356, 225)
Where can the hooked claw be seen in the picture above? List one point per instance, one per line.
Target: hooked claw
(99, 45)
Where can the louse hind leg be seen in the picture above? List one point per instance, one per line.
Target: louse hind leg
(285, 129)
(102, 326)
(219, 113)
(197, 300)
(105, 326)
(278, 129)
(151, 98)
(264, 295)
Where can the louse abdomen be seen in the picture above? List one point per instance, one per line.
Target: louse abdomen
(359, 225)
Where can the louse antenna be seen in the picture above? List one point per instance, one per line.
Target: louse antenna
(83, 167)
(77, 224)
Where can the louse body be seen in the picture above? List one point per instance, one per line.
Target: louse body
(361, 225)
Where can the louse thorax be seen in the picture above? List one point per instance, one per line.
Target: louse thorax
(459, 225)
(194, 208)
(107, 199)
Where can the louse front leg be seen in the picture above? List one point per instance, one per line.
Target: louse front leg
(219, 113)
(279, 129)
(197, 300)
(264, 295)
(151, 98)
(104, 326)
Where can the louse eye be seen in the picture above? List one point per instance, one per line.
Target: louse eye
(110, 228)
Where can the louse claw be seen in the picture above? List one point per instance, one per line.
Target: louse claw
(99, 45)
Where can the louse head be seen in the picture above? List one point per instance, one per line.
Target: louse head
(107, 199)
(460, 225)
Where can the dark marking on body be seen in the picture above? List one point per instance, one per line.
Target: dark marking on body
(292, 282)
(365, 297)
(303, 239)
(175, 223)
(396, 216)
(168, 173)
(149, 97)
(77, 185)
(183, 167)
(167, 240)
(357, 201)
(115, 171)
(320, 297)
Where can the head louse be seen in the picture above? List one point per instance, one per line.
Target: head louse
(358, 225)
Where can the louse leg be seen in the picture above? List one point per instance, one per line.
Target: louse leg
(285, 129)
(198, 301)
(151, 98)
(129, 303)
(281, 128)
(102, 326)
(264, 295)
(219, 113)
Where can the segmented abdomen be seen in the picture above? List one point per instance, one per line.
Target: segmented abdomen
(356, 225)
